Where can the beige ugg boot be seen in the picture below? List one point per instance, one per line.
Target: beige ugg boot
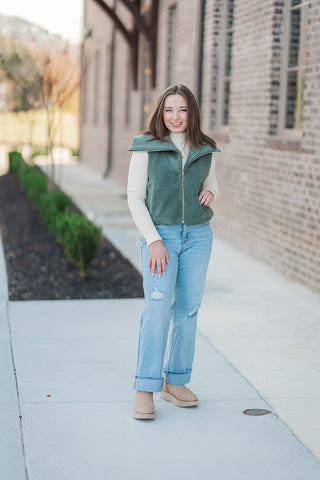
(180, 395)
(144, 406)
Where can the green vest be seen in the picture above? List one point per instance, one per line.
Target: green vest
(172, 193)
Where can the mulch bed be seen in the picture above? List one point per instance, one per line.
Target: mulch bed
(37, 268)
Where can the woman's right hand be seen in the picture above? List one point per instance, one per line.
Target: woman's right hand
(158, 257)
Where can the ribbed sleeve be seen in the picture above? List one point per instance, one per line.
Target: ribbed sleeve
(211, 182)
(137, 187)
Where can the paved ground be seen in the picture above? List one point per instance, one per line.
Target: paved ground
(257, 347)
(4, 161)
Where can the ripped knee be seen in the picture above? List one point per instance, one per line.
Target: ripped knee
(194, 310)
(156, 294)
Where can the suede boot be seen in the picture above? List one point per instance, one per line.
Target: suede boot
(144, 406)
(180, 395)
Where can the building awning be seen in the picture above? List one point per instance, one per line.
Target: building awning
(146, 25)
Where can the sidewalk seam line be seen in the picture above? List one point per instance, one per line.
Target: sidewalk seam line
(298, 439)
(206, 338)
(18, 394)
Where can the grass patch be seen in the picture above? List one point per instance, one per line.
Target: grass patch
(15, 129)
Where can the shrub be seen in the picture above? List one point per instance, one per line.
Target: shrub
(61, 226)
(60, 200)
(74, 151)
(39, 150)
(78, 236)
(80, 240)
(53, 203)
(48, 211)
(33, 181)
(15, 160)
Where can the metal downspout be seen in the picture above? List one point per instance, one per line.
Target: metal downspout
(110, 93)
(202, 9)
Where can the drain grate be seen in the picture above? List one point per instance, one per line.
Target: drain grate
(256, 412)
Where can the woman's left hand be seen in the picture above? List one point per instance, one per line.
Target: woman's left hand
(206, 198)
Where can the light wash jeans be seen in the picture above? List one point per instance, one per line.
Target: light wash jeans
(169, 318)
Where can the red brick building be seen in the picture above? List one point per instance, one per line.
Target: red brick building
(254, 67)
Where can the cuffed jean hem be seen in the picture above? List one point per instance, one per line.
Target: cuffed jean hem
(177, 378)
(146, 384)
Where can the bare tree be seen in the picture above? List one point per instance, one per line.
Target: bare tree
(59, 81)
(18, 65)
(47, 79)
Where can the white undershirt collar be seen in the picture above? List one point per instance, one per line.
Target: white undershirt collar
(179, 139)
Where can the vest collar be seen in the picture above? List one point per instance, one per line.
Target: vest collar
(146, 143)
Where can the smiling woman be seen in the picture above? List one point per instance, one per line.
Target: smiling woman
(171, 186)
(61, 17)
(175, 114)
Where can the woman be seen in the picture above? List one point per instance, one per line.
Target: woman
(171, 185)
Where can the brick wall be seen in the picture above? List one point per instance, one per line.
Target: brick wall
(269, 205)
(269, 202)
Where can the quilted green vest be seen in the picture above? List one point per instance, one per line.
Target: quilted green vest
(172, 193)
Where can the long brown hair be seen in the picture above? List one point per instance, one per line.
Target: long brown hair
(157, 128)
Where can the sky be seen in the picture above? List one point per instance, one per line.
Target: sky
(58, 16)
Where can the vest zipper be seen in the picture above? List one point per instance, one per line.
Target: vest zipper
(183, 170)
(194, 159)
(182, 196)
(182, 188)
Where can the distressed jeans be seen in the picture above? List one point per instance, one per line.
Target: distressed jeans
(169, 318)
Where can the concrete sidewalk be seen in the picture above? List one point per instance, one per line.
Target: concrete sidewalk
(83, 354)
(73, 363)
(267, 326)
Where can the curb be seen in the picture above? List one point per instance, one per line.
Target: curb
(4, 294)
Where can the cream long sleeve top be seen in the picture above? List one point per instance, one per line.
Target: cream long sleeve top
(137, 187)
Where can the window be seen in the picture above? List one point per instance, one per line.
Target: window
(294, 63)
(108, 82)
(84, 91)
(227, 61)
(145, 83)
(202, 10)
(127, 96)
(97, 97)
(172, 24)
(222, 63)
